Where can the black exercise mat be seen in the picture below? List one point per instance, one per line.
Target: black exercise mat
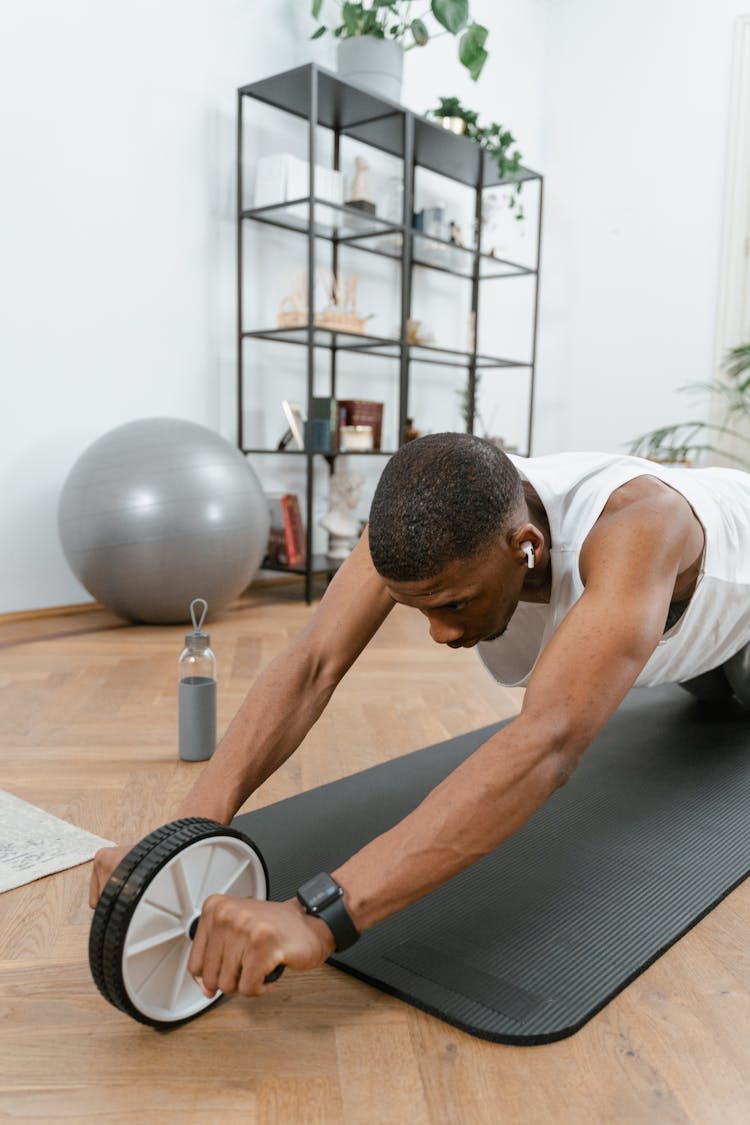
(527, 944)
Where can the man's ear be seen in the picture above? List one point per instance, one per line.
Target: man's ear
(526, 544)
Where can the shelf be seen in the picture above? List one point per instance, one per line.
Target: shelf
(381, 346)
(356, 112)
(379, 122)
(321, 453)
(352, 227)
(438, 254)
(325, 338)
(331, 219)
(321, 564)
(452, 357)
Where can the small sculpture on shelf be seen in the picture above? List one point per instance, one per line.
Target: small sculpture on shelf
(417, 334)
(340, 304)
(360, 196)
(340, 313)
(339, 521)
(293, 308)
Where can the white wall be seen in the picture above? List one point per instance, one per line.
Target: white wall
(636, 110)
(116, 200)
(116, 273)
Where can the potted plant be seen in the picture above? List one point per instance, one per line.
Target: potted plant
(494, 138)
(688, 441)
(373, 38)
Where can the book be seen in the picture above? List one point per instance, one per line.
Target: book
(276, 557)
(294, 530)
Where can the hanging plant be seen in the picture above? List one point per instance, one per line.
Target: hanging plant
(494, 138)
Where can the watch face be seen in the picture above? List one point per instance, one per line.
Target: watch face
(318, 891)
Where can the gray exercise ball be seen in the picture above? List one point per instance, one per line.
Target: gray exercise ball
(158, 512)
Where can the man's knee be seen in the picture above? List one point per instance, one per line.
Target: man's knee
(711, 686)
(737, 672)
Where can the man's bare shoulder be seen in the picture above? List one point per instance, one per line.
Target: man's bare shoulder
(643, 515)
(651, 491)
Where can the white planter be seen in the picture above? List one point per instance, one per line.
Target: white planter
(375, 64)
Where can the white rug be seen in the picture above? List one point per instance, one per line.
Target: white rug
(33, 843)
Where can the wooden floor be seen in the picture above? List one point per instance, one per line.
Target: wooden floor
(89, 733)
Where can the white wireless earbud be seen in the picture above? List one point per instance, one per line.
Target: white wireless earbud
(528, 550)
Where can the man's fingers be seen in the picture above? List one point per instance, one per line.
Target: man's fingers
(195, 963)
(105, 861)
(97, 883)
(93, 890)
(231, 967)
(208, 946)
(254, 980)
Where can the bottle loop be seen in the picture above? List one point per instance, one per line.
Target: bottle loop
(198, 601)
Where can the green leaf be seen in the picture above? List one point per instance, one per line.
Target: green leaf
(737, 361)
(448, 107)
(451, 14)
(420, 32)
(316, 6)
(369, 24)
(350, 14)
(317, 34)
(471, 49)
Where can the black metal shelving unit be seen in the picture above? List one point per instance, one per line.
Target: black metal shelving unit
(321, 98)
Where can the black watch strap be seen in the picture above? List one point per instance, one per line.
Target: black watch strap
(323, 897)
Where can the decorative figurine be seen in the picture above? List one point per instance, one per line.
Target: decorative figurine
(360, 197)
(416, 334)
(339, 521)
(339, 313)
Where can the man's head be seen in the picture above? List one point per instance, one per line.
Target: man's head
(441, 498)
(445, 531)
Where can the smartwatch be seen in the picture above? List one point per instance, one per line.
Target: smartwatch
(323, 897)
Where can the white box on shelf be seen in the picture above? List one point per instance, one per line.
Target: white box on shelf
(298, 179)
(282, 176)
(271, 180)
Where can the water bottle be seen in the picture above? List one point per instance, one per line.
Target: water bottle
(197, 692)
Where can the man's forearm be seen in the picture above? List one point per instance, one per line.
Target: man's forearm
(266, 730)
(478, 806)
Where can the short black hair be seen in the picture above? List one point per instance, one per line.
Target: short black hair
(440, 498)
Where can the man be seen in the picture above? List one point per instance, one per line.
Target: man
(577, 575)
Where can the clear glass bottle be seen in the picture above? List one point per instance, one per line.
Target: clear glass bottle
(197, 692)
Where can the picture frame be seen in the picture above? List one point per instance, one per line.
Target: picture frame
(296, 421)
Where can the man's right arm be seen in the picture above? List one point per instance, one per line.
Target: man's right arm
(285, 701)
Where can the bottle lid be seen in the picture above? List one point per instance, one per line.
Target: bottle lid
(197, 633)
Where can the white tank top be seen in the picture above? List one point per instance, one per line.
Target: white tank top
(574, 488)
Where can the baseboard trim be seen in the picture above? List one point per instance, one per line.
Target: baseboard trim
(50, 611)
(256, 585)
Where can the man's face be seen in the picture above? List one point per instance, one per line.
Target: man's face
(470, 600)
